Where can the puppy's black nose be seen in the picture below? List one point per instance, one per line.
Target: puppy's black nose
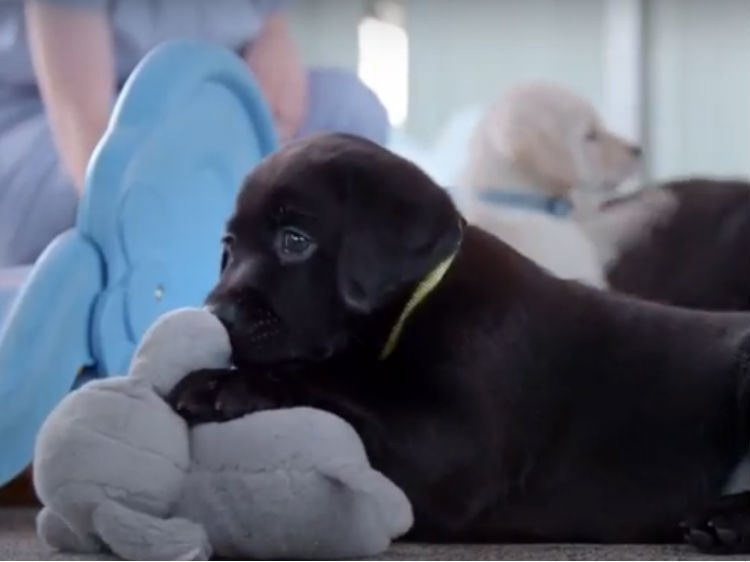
(226, 312)
(636, 150)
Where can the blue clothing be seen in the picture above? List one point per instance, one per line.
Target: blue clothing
(37, 199)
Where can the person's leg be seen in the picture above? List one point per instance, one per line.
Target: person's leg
(37, 200)
(340, 102)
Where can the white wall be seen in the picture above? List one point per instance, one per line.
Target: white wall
(326, 30)
(699, 86)
(463, 52)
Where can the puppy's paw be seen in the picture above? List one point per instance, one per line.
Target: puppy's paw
(195, 396)
(241, 395)
(211, 395)
(723, 529)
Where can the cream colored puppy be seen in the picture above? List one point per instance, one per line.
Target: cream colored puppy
(537, 149)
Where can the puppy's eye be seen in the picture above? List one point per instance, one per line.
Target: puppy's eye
(226, 254)
(294, 245)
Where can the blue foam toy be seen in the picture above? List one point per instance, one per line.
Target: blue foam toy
(189, 124)
(11, 279)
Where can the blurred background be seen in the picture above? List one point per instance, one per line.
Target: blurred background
(672, 75)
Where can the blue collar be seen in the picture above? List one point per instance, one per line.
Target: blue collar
(557, 206)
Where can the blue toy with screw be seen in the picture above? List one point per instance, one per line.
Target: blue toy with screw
(188, 126)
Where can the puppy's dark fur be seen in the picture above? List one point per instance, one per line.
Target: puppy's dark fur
(698, 256)
(516, 406)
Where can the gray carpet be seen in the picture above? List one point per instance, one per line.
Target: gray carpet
(18, 542)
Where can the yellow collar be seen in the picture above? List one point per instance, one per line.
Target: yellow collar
(425, 287)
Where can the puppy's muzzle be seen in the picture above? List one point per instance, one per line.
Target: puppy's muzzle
(247, 317)
(225, 312)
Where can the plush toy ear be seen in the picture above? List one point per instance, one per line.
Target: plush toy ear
(178, 343)
(394, 235)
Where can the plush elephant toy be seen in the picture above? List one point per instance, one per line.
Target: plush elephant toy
(118, 470)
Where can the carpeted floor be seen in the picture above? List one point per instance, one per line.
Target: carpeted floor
(18, 542)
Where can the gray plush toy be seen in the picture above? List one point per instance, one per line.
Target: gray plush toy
(117, 470)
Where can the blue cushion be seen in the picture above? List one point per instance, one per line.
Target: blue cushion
(189, 124)
(11, 281)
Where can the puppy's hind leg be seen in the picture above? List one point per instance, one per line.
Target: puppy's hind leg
(743, 394)
(724, 528)
(739, 481)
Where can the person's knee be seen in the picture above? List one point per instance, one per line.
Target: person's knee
(339, 101)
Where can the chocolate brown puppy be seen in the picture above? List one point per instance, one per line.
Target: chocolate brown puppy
(509, 405)
(689, 244)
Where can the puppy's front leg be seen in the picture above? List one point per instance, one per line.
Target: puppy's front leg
(211, 395)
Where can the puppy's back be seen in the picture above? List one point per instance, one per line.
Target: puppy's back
(698, 255)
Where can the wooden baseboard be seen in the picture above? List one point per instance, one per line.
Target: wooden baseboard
(19, 491)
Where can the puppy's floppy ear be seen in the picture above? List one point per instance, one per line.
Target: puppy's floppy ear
(546, 158)
(397, 228)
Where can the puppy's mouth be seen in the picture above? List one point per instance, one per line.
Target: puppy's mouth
(254, 340)
(267, 344)
(283, 361)
(261, 331)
